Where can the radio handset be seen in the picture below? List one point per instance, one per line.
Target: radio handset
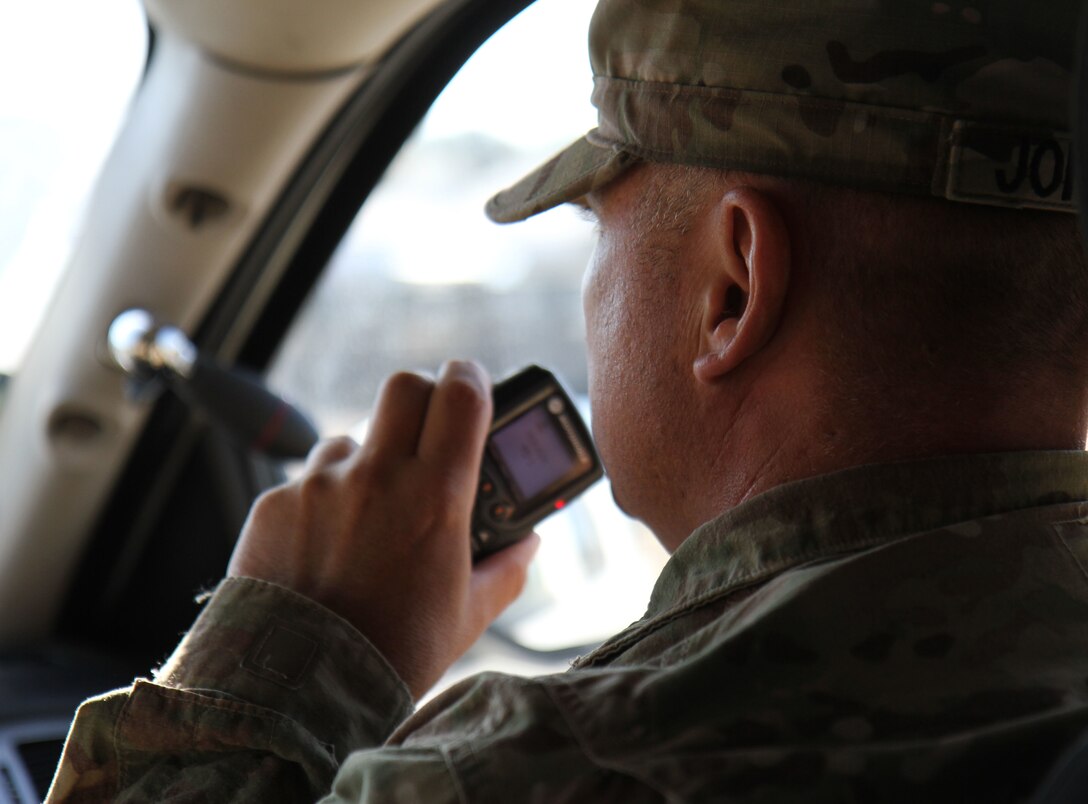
(539, 456)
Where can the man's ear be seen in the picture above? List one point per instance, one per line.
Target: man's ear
(746, 287)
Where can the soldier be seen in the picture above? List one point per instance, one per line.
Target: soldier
(837, 325)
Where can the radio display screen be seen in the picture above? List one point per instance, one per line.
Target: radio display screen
(533, 451)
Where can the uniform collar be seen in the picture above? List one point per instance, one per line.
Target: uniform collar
(854, 509)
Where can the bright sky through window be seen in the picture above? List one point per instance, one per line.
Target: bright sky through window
(69, 67)
(512, 110)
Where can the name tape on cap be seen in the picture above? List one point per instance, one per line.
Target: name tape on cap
(999, 166)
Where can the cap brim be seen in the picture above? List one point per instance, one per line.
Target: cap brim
(573, 173)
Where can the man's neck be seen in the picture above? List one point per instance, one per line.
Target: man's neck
(777, 437)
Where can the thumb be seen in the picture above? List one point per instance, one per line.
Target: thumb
(498, 579)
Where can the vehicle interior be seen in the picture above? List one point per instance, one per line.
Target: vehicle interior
(298, 190)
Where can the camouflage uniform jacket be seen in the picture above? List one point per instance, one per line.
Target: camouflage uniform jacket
(910, 632)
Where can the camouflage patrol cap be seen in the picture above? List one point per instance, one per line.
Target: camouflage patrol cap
(966, 100)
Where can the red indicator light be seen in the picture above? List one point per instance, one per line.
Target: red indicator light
(560, 505)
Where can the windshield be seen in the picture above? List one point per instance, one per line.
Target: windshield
(70, 68)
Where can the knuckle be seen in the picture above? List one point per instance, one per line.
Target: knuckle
(315, 483)
(265, 501)
(333, 448)
(341, 444)
(330, 451)
(271, 505)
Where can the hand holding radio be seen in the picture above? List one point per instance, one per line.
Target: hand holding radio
(379, 532)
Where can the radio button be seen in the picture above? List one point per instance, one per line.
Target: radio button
(501, 512)
(487, 486)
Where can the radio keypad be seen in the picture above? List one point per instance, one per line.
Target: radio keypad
(501, 511)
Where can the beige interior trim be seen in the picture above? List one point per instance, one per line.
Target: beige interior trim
(289, 36)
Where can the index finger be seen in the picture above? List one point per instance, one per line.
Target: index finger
(458, 418)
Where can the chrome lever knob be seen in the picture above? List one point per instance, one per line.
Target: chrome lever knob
(238, 400)
(142, 347)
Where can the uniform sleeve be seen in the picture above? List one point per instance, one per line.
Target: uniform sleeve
(263, 700)
(271, 697)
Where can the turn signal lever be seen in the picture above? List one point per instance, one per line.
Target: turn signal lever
(148, 351)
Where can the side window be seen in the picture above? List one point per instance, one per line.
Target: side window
(422, 276)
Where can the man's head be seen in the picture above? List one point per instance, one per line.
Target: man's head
(812, 251)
